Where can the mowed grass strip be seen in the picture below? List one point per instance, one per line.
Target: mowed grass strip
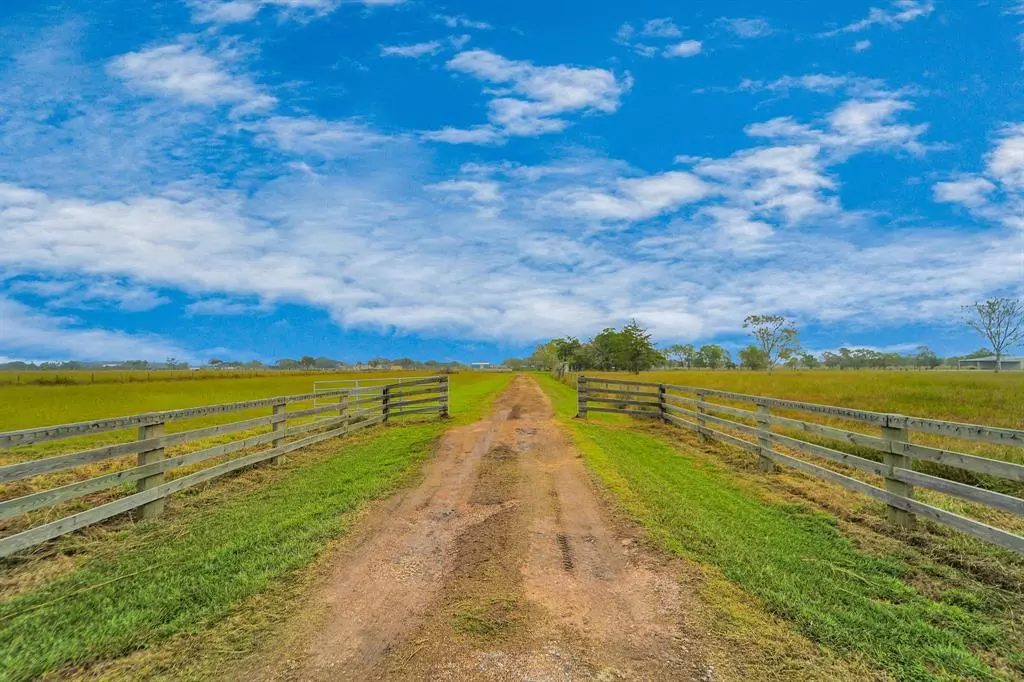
(184, 572)
(795, 561)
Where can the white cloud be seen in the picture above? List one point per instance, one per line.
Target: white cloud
(462, 22)
(657, 30)
(686, 48)
(219, 307)
(856, 86)
(232, 12)
(630, 199)
(971, 191)
(87, 294)
(661, 28)
(534, 98)
(747, 28)
(480, 192)
(901, 12)
(997, 194)
(484, 134)
(1006, 162)
(861, 46)
(316, 136)
(29, 333)
(236, 11)
(856, 124)
(187, 73)
(415, 50)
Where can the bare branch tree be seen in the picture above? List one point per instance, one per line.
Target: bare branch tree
(776, 335)
(1000, 320)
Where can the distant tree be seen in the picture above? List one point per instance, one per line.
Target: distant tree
(637, 351)
(136, 364)
(545, 356)
(775, 334)
(752, 357)
(1000, 321)
(515, 364)
(307, 362)
(681, 354)
(712, 356)
(567, 350)
(808, 360)
(926, 357)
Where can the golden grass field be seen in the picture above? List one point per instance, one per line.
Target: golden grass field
(27, 405)
(978, 397)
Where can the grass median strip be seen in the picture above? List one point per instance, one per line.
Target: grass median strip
(795, 561)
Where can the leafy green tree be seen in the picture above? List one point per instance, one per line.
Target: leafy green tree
(681, 354)
(808, 360)
(753, 357)
(637, 351)
(776, 335)
(307, 362)
(712, 356)
(607, 349)
(926, 357)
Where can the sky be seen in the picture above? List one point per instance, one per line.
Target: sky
(256, 179)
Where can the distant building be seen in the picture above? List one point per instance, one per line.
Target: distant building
(1009, 362)
(480, 365)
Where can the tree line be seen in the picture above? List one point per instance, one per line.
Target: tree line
(776, 342)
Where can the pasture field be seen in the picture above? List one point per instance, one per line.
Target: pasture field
(806, 553)
(26, 405)
(979, 397)
(123, 587)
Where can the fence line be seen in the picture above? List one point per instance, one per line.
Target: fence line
(693, 408)
(356, 408)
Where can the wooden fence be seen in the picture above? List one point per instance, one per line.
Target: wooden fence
(355, 409)
(701, 409)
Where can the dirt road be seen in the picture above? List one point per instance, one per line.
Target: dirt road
(503, 564)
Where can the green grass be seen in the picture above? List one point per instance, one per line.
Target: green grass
(185, 572)
(794, 560)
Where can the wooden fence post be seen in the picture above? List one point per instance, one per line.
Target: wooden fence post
(661, 402)
(153, 509)
(385, 398)
(581, 397)
(701, 422)
(281, 426)
(896, 432)
(764, 442)
(445, 404)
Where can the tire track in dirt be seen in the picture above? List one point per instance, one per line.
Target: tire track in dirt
(502, 565)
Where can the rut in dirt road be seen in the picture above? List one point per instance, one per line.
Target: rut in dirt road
(503, 564)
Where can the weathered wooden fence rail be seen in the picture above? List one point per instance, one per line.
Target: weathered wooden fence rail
(356, 408)
(696, 409)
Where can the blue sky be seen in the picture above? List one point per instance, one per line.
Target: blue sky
(262, 178)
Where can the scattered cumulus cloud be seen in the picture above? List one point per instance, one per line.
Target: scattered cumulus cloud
(997, 193)
(747, 28)
(237, 11)
(532, 100)
(658, 31)
(415, 50)
(861, 46)
(185, 72)
(220, 307)
(462, 22)
(893, 18)
(661, 28)
(686, 48)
